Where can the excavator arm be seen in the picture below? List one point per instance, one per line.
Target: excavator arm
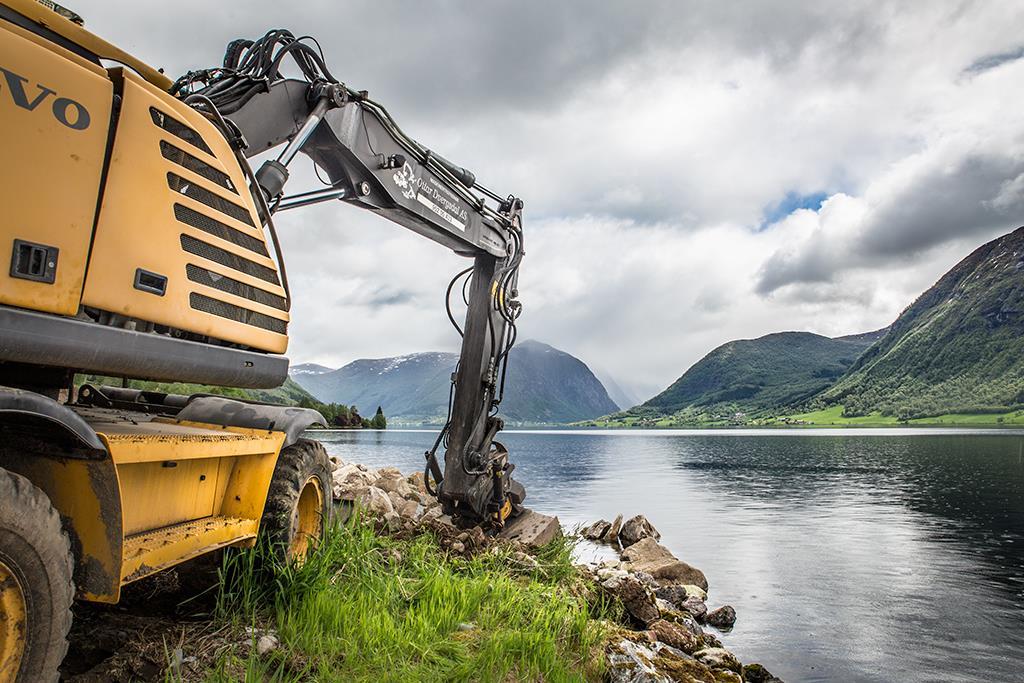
(371, 163)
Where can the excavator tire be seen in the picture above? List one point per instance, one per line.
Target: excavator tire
(299, 501)
(36, 588)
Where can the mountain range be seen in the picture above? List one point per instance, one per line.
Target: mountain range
(544, 385)
(958, 349)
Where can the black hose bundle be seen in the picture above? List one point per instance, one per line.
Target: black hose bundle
(250, 66)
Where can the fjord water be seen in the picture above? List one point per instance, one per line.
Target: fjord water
(849, 555)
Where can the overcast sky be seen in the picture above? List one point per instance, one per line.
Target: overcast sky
(693, 172)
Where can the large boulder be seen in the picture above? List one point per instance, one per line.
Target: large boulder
(374, 501)
(416, 481)
(348, 479)
(710, 639)
(654, 662)
(649, 556)
(635, 597)
(391, 480)
(696, 607)
(722, 618)
(531, 529)
(636, 529)
(674, 635)
(597, 530)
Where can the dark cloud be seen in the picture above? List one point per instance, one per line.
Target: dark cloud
(971, 195)
(450, 57)
(992, 61)
(949, 202)
(384, 296)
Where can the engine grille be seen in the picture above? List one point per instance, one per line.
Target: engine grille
(226, 284)
(201, 302)
(218, 229)
(196, 165)
(215, 202)
(179, 130)
(207, 221)
(226, 258)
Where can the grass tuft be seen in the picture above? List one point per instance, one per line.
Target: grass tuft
(365, 607)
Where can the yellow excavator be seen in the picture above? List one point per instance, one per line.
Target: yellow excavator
(138, 243)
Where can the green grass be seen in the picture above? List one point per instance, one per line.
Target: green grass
(833, 416)
(827, 417)
(370, 608)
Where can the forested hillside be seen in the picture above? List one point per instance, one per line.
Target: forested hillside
(958, 349)
(751, 377)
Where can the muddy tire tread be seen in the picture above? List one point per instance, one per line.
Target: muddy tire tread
(26, 511)
(295, 464)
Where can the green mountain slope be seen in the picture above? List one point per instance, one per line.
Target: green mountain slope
(958, 349)
(753, 376)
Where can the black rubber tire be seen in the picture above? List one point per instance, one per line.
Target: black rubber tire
(296, 464)
(34, 546)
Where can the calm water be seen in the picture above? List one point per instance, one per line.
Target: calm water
(856, 555)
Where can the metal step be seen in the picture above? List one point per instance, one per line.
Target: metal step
(152, 551)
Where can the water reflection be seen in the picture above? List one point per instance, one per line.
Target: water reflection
(872, 555)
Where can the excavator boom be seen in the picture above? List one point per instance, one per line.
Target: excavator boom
(371, 163)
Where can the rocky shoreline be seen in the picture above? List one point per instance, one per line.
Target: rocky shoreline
(664, 633)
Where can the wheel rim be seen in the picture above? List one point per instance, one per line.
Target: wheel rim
(13, 623)
(308, 520)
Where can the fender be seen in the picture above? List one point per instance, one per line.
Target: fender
(56, 450)
(26, 416)
(231, 413)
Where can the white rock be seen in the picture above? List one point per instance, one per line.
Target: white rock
(718, 658)
(605, 573)
(632, 663)
(695, 592)
(376, 501)
(267, 643)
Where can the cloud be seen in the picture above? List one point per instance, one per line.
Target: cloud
(931, 199)
(693, 173)
(992, 61)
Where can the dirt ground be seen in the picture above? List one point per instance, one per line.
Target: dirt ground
(164, 619)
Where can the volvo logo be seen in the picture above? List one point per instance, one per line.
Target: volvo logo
(67, 111)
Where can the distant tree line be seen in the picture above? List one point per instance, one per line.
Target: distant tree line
(345, 417)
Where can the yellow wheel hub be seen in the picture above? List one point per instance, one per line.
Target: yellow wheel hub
(307, 520)
(13, 623)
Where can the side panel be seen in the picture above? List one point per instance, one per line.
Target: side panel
(177, 212)
(185, 490)
(54, 121)
(86, 494)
